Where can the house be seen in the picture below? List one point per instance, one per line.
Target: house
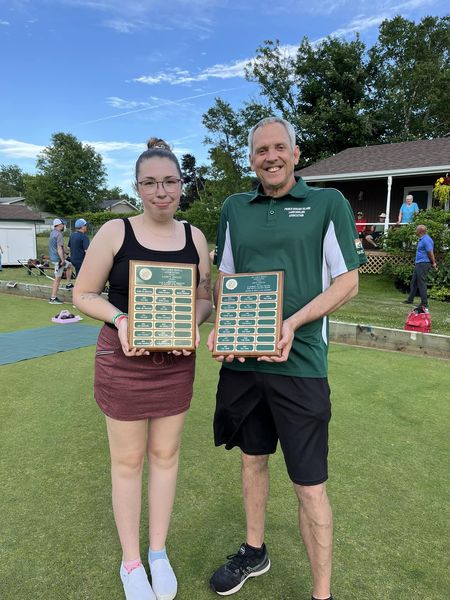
(17, 233)
(377, 179)
(14, 200)
(118, 206)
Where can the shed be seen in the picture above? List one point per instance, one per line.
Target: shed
(377, 178)
(17, 233)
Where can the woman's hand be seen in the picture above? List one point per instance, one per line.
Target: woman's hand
(122, 330)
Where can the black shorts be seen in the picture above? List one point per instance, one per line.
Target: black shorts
(254, 410)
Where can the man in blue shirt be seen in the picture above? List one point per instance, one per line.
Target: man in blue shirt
(78, 243)
(424, 261)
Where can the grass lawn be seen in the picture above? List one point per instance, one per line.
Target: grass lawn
(388, 460)
(378, 302)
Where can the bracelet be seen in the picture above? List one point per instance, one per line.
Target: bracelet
(120, 314)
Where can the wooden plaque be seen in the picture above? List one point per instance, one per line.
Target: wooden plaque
(161, 306)
(249, 314)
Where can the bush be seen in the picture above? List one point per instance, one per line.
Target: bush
(440, 289)
(401, 274)
(403, 238)
(439, 293)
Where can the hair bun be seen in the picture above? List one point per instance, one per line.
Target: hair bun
(158, 143)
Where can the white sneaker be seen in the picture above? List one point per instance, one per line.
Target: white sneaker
(135, 584)
(164, 582)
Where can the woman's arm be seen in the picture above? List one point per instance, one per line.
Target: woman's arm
(97, 265)
(203, 301)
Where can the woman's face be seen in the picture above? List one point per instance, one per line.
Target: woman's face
(159, 187)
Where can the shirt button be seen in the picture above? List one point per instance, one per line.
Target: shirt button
(272, 212)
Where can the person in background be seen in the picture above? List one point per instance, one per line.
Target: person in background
(361, 223)
(408, 210)
(144, 396)
(78, 244)
(425, 260)
(373, 232)
(57, 252)
(310, 234)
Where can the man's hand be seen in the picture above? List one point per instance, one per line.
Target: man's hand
(285, 344)
(222, 358)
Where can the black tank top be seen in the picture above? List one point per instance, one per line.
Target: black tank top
(131, 249)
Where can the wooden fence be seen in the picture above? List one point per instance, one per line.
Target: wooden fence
(376, 259)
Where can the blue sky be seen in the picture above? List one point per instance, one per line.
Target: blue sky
(115, 72)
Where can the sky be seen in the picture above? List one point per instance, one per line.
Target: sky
(116, 72)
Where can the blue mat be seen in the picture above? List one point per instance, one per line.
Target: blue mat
(32, 343)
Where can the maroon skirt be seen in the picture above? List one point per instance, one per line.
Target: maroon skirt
(133, 388)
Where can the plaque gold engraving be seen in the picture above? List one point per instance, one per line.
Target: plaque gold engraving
(161, 306)
(249, 314)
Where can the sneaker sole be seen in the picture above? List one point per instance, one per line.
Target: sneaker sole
(238, 587)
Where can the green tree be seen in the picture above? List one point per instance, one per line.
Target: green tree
(410, 69)
(11, 181)
(321, 90)
(70, 177)
(193, 180)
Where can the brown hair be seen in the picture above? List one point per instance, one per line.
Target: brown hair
(157, 148)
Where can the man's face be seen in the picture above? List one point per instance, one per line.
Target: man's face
(409, 200)
(273, 160)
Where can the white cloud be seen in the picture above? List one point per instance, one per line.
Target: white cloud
(121, 25)
(18, 149)
(177, 76)
(104, 147)
(121, 103)
(360, 24)
(162, 102)
(5, 23)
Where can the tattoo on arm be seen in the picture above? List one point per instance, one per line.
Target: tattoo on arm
(205, 283)
(89, 296)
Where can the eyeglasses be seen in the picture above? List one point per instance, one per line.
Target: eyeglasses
(170, 185)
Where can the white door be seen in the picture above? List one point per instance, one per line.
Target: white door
(422, 195)
(19, 244)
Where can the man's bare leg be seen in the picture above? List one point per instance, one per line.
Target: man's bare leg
(316, 527)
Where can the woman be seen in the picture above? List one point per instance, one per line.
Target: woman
(144, 395)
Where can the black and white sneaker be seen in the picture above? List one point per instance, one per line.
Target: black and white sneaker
(55, 300)
(69, 286)
(230, 577)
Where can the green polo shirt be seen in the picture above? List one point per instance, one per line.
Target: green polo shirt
(310, 235)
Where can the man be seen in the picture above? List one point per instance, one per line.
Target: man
(424, 261)
(78, 244)
(361, 223)
(57, 255)
(375, 231)
(407, 210)
(310, 234)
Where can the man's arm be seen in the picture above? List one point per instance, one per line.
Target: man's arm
(399, 220)
(60, 248)
(432, 258)
(343, 288)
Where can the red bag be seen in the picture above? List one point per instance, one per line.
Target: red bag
(419, 319)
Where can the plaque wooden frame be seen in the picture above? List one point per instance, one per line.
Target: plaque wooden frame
(249, 314)
(159, 295)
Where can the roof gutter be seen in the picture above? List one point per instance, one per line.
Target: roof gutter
(442, 169)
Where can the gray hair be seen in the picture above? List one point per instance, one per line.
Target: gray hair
(410, 196)
(267, 121)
